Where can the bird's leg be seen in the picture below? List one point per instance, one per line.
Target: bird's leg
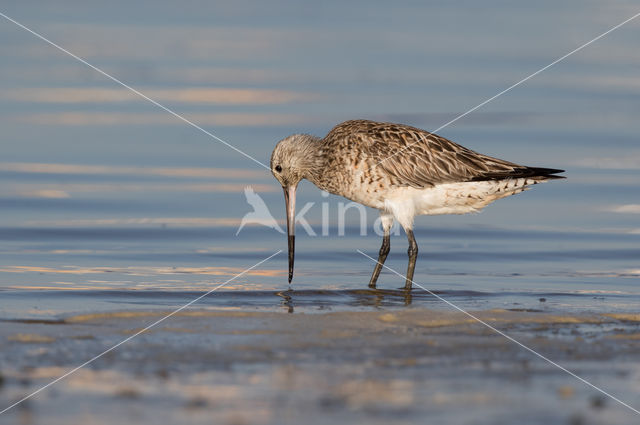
(386, 220)
(413, 255)
(382, 256)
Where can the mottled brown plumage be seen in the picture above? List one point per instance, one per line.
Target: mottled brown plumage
(409, 156)
(401, 170)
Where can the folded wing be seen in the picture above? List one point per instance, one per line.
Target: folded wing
(417, 158)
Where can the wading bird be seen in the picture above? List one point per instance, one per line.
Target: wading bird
(400, 170)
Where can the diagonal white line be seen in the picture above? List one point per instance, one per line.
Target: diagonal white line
(137, 333)
(532, 351)
(175, 114)
(513, 86)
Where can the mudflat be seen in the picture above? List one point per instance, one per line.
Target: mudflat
(399, 366)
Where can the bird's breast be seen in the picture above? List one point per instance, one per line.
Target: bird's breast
(356, 181)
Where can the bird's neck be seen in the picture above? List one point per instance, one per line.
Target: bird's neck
(313, 159)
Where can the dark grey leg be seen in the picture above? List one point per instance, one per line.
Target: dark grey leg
(382, 256)
(413, 256)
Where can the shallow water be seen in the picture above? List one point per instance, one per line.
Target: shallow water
(101, 192)
(113, 213)
(113, 252)
(58, 269)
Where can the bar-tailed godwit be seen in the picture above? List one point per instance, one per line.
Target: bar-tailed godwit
(400, 170)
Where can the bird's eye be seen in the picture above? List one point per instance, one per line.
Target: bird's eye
(278, 168)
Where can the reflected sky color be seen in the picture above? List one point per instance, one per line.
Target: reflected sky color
(91, 170)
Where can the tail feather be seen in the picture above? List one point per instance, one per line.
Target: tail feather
(522, 172)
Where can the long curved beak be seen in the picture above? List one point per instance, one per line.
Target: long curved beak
(290, 200)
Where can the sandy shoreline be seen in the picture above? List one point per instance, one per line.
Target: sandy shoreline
(411, 365)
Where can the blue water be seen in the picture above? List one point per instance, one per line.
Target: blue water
(111, 203)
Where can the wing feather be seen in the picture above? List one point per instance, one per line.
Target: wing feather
(417, 158)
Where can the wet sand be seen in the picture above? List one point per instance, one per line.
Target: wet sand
(403, 366)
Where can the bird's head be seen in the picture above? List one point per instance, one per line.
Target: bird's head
(293, 159)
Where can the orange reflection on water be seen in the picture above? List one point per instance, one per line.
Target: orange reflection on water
(144, 271)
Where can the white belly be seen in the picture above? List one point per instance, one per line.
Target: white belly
(450, 198)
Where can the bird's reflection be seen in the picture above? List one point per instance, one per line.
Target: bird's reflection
(287, 301)
(376, 298)
(392, 296)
